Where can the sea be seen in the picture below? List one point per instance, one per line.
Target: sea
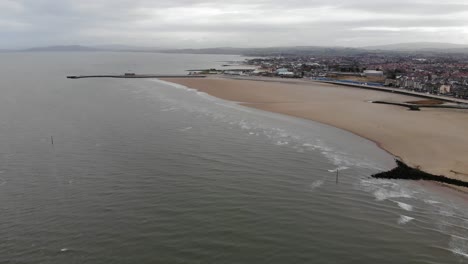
(146, 171)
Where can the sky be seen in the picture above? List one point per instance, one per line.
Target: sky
(234, 23)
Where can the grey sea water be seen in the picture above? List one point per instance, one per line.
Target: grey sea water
(144, 171)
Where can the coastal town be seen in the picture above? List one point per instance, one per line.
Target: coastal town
(438, 75)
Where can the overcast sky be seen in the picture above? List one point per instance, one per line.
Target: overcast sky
(236, 23)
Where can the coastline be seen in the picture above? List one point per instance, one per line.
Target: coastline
(432, 140)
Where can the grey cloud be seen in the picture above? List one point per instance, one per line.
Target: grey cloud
(184, 23)
(433, 8)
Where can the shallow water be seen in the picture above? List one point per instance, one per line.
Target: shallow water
(145, 171)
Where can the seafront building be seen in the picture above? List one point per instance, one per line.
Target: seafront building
(444, 75)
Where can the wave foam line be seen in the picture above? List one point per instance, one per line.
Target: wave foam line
(404, 219)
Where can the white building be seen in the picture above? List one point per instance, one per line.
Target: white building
(368, 73)
(443, 89)
(286, 74)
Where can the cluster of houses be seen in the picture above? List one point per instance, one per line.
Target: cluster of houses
(437, 75)
(444, 86)
(446, 79)
(286, 67)
(298, 67)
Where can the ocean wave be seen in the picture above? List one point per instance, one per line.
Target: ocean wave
(431, 202)
(459, 245)
(221, 110)
(446, 212)
(404, 206)
(404, 219)
(339, 169)
(169, 109)
(386, 189)
(384, 194)
(185, 129)
(175, 85)
(265, 125)
(308, 145)
(183, 87)
(316, 184)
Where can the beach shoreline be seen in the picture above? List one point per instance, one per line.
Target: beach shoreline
(431, 140)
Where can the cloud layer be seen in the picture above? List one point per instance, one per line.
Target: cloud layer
(242, 23)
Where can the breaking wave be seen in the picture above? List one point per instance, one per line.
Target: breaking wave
(459, 245)
(255, 124)
(404, 219)
(316, 184)
(405, 206)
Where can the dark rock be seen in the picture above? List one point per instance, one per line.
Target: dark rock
(405, 172)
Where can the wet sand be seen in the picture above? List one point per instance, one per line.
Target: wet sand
(434, 140)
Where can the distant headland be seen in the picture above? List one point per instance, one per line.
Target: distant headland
(401, 48)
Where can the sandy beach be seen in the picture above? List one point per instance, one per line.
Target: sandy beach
(434, 140)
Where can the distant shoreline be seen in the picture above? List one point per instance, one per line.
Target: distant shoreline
(133, 76)
(432, 140)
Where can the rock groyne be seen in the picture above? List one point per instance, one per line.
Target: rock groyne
(405, 172)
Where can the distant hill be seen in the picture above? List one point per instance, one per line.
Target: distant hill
(63, 48)
(420, 46)
(423, 48)
(428, 48)
(117, 47)
(76, 48)
(230, 51)
(272, 51)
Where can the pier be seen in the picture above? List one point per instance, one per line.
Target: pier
(135, 76)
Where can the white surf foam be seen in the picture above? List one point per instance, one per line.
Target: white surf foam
(309, 146)
(431, 202)
(185, 129)
(169, 109)
(278, 136)
(404, 219)
(183, 87)
(446, 212)
(175, 85)
(459, 245)
(316, 184)
(404, 206)
(281, 143)
(339, 169)
(384, 194)
(299, 149)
